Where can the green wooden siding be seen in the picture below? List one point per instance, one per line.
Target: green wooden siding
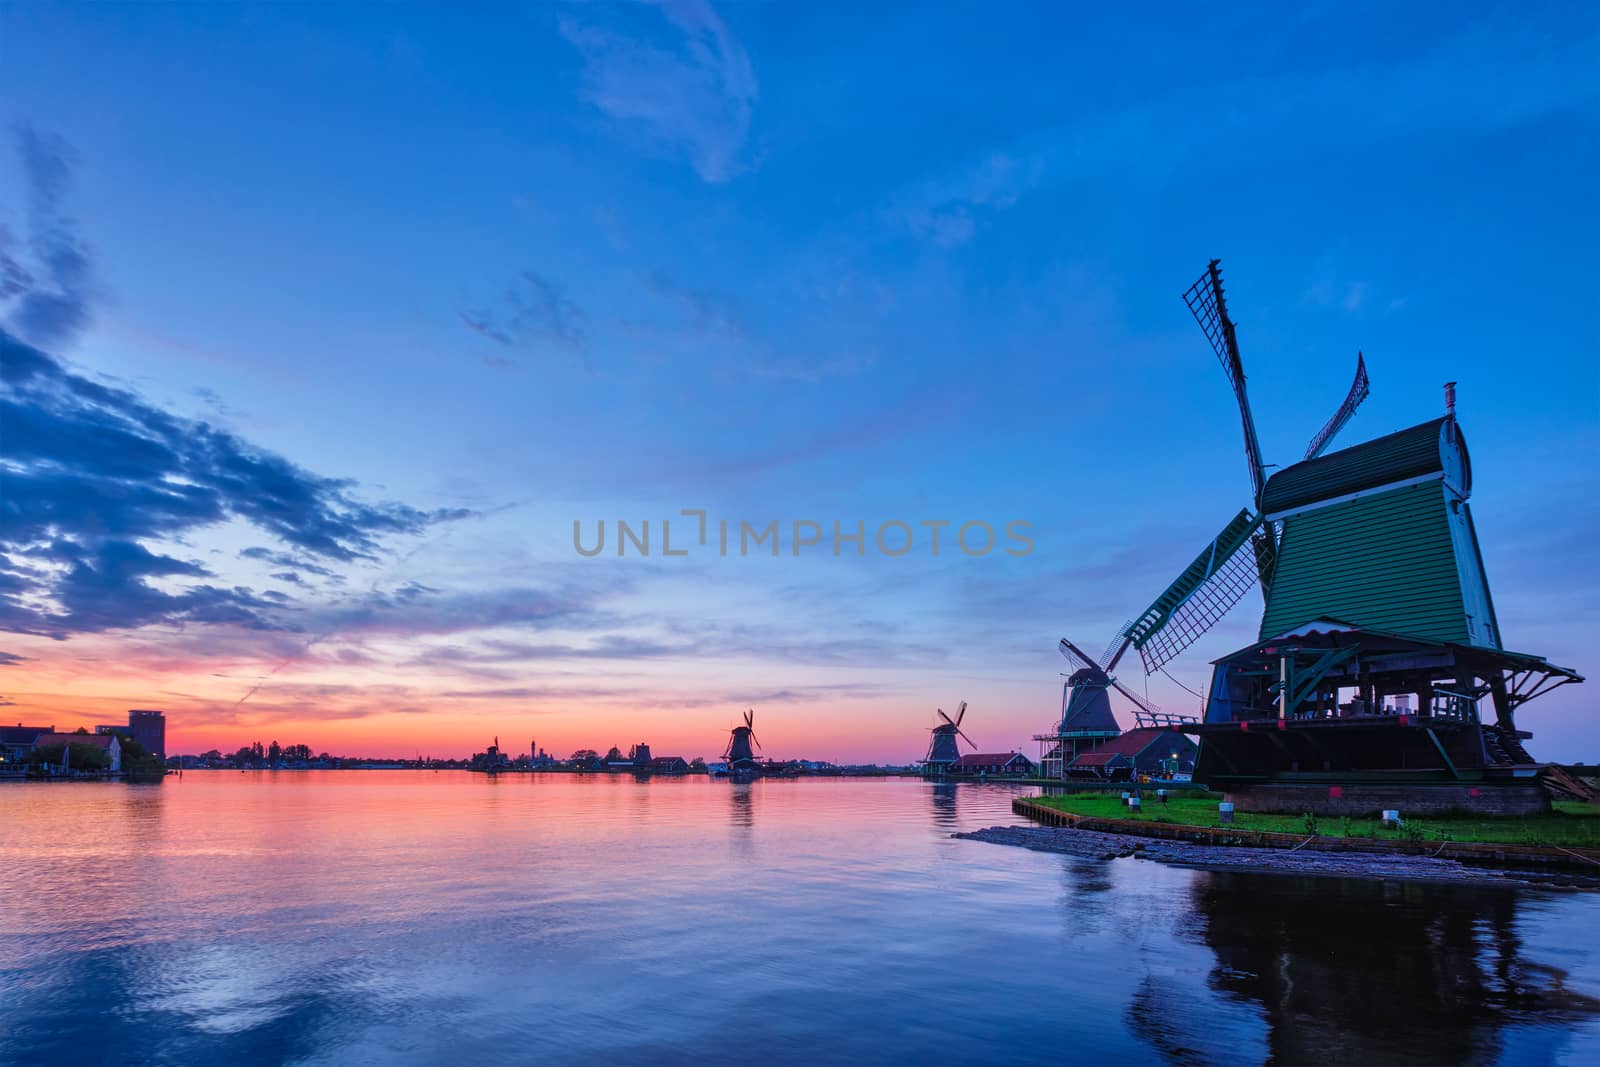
(1386, 562)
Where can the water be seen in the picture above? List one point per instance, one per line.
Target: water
(416, 918)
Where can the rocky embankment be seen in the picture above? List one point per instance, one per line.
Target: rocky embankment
(1301, 861)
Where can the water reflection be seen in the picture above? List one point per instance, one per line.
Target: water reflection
(1363, 973)
(399, 918)
(741, 818)
(943, 797)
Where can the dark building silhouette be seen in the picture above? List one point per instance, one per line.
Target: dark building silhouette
(148, 728)
(16, 741)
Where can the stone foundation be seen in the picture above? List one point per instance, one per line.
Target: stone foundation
(1524, 797)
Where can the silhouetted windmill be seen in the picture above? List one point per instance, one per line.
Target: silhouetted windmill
(1246, 551)
(944, 747)
(1242, 555)
(1377, 610)
(742, 743)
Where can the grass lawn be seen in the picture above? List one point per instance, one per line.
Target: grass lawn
(1571, 824)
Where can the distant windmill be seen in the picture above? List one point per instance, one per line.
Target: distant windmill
(1084, 705)
(741, 757)
(944, 747)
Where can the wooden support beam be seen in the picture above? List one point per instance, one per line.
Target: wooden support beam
(1306, 680)
(1449, 765)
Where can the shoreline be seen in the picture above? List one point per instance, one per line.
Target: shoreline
(1284, 862)
(1262, 851)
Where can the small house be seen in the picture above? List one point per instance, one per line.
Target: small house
(1149, 750)
(111, 744)
(989, 764)
(17, 741)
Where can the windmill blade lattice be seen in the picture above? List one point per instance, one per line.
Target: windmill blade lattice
(1207, 590)
(1210, 309)
(1075, 655)
(1138, 701)
(1352, 400)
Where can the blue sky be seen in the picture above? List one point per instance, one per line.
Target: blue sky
(552, 262)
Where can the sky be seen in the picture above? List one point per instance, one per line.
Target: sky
(324, 324)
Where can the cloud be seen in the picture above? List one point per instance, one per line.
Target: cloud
(690, 642)
(416, 610)
(710, 312)
(1327, 292)
(287, 559)
(610, 646)
(106, 589)
(93, 470)
(1520, 73)
(687, 86)
(49, 303)
(11, 659)
(713, 319)
(532, 313)
(946, 211)
(655, 696)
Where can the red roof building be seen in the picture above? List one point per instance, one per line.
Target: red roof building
(1147, 750)
(111, 743)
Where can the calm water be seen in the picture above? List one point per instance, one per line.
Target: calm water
(412, 918)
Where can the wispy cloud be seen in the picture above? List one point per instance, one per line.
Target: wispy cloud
(713, 320)
(947, 211)
(46, 289)
(683, 81)
(297, 563)
(709, 312)
(534, 312)
(861, 645)
(1518, 75)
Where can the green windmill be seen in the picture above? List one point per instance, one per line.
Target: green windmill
(1378, 653)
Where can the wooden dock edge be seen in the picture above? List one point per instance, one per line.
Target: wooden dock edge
(1465, 851)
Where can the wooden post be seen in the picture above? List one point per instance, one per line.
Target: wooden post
(1283, 687)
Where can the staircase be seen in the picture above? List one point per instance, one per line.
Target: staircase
(1504, 748)
(1564, 786)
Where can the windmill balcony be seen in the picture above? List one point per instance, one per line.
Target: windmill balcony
(1451, 709)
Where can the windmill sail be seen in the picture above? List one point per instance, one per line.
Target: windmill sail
(1135, 699)
(1210, 309)
(1358, 392)
(1207, 589)
(1076, 656)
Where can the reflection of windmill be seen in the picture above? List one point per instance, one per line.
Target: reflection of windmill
(1223, 572)
(944, 748)
(742, 743)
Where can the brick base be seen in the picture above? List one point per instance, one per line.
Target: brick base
(1520, 798)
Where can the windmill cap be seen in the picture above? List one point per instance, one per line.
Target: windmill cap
(1435, 448)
